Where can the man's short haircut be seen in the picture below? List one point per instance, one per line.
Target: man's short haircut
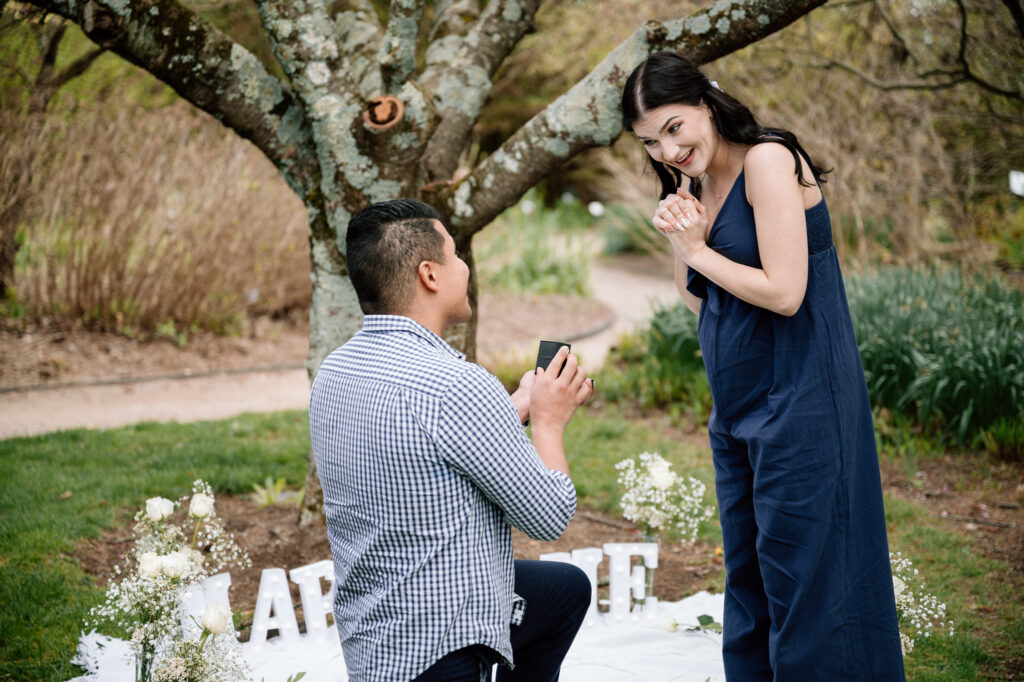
(384, 246)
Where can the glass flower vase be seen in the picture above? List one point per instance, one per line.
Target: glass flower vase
(144, 663)
(648, 570)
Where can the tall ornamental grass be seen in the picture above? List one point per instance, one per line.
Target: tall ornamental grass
(942, 347)
(143, 219)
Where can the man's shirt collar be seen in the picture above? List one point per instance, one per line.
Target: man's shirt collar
(385, 324)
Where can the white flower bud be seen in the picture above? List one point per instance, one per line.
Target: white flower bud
(671, 625)
(662, 476)
(175, 564)
(201, 505)
(216, 618)
(158, 508)
(149, 564)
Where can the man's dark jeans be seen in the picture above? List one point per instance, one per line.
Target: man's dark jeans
(557, 596)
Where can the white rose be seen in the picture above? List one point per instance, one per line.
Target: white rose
(158, 507)
(175, 564)
(201, 505)
(216, 618)
(662, 476)
(149, 564)
(197, 558)
(898, 587)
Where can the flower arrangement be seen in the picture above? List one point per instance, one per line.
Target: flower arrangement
(657, 498)
(918, 612)
(167, 558)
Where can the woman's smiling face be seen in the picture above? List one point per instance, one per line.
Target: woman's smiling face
(679, 135)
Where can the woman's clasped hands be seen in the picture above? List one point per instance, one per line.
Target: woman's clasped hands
(682, 219)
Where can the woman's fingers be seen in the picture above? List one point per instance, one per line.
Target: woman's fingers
(677, 212)
(669, 216)
(665, 222)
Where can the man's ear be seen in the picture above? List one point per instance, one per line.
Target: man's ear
(427, 275)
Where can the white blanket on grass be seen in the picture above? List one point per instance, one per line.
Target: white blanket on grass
(642, 650)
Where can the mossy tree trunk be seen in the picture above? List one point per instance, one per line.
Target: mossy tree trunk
(339, 56)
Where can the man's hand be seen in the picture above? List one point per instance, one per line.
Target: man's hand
(557, 394)
(521, 396)
(554, 398)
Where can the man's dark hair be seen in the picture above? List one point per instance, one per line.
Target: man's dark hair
(385, 244)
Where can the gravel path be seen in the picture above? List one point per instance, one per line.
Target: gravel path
(631, 293)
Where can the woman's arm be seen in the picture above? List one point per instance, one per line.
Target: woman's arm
(682, 270)
(778, 201)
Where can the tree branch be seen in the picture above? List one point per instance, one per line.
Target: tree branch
(933, 79)
(962, 52)
(397, 52)
(46, 82)
(1017, 12)
(359, 34)
(892, 28)
(306, 46)
(49, 41)
(454, 17)
(588, 115)
(207, 69)
(954, 78)
(458, 74)
(77, 67)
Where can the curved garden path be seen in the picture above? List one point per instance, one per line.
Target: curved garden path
(627, 292)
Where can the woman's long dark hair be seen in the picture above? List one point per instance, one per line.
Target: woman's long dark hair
(669, 78)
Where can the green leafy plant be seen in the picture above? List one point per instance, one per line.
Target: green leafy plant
(942, 347)
(661, 366)
(1004, 439)
(273, 492)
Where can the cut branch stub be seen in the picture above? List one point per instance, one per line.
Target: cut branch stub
(383, 112)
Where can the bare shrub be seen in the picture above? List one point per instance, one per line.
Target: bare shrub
(140, 219)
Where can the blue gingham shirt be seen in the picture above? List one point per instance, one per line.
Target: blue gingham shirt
(424, 466)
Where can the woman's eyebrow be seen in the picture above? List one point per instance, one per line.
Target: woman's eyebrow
(663, 127)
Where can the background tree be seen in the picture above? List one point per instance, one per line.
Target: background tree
(371, 107)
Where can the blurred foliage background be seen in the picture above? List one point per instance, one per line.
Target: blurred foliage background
(917, 105)
(124, 209)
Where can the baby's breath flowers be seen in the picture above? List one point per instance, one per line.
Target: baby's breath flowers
(146, 591)
(918, 612)
(657, 498)
(209, 659)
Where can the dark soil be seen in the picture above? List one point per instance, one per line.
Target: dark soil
(274, 539)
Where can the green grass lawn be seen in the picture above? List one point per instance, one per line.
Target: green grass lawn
(111, 473)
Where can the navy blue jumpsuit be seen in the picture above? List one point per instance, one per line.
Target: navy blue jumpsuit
(809, 592)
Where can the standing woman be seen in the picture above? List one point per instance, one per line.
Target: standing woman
(809, 593)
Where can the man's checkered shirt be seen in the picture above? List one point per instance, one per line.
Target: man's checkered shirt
(424, 466)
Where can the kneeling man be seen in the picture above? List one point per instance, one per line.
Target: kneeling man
(425, 465)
